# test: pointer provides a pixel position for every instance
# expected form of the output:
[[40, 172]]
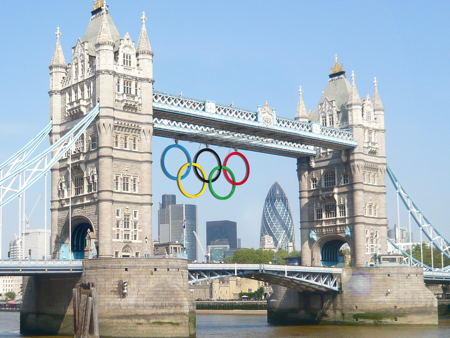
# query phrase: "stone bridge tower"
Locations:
[[343, 193], [101, 191]]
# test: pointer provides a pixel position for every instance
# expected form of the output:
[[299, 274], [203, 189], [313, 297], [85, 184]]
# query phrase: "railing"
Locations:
[[207, 107], [293, 124]]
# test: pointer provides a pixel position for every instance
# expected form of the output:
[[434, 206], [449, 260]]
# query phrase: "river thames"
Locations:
[[255, 325]]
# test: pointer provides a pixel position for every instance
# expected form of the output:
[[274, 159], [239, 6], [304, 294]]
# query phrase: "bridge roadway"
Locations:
[[302, 278]]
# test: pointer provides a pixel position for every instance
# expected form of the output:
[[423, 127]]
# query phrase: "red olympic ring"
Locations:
[[247, 168]]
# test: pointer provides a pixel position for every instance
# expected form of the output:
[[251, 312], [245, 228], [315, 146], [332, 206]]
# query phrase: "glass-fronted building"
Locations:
[[277, 218], [222, 230], [171, 218]]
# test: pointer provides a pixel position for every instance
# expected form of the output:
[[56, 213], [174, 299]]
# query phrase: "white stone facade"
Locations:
[[11, 283], [110, 188], [343, 193]]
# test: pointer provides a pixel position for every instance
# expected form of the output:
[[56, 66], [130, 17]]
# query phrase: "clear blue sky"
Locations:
[[246, 52]]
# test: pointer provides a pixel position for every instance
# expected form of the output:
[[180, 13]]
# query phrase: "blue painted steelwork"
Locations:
[[29, 148], [206, 113], [415, 262], [437, 240], [302, 278], [57, 150]]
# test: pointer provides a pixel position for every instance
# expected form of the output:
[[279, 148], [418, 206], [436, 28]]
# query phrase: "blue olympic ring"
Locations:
[[188, 158]]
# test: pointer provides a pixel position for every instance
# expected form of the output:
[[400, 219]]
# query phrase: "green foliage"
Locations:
[[257, 295], [258, 256], [427, 255], [11, 295]]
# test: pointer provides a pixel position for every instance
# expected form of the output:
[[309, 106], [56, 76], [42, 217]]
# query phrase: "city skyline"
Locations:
[[397, 67]]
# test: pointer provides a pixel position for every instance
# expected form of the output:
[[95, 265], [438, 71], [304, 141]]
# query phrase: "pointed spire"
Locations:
[[104, 34], [58, 55], [301, 114], [144, 46], [337, 69], [377, 103], [354, 97]]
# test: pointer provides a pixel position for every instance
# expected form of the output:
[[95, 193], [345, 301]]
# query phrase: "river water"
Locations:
[[246, 325]]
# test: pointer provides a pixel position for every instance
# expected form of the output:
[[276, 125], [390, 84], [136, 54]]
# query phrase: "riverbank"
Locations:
[[231, 305], [232, 312]]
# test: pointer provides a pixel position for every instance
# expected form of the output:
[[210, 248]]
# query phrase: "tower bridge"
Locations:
[[104, 113]]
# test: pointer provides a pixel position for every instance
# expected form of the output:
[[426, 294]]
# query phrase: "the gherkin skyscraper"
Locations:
[[277, 218]]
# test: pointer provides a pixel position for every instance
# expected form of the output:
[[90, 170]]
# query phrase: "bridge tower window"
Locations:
[[330, 210], [329, 179], [126, 183], [117, 183], [127, 60], [127, 87], [126, 221], [342, 210], [330, 121], [118, 86], [345, 179], [79, 185], [134, 184], [313, 183], [319, 213]]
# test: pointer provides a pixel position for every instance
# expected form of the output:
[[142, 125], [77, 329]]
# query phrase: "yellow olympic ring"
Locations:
[[180, 186]]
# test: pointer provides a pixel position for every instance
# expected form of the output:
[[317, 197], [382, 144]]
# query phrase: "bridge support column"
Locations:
[[154, 302], [377, 295]]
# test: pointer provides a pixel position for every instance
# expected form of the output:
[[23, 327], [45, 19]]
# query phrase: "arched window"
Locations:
[[313, 183]]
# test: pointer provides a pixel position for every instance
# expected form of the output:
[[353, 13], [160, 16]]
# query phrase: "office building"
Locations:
[[277, 218], [177, 223], [34, 244], [222, 230]]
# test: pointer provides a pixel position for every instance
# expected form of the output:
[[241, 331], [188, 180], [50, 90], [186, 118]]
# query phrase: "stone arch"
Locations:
[[127, 251], [80, 227], [327, 251]]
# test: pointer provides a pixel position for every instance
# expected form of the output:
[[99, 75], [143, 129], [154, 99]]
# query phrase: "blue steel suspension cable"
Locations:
[[82, 123], [81, 127]]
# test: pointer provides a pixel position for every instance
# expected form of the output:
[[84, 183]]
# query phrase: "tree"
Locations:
[[258, 256], [11, 295], [426, 252]]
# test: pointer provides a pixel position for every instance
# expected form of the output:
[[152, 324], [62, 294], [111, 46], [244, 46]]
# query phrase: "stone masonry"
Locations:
[[157, 304]]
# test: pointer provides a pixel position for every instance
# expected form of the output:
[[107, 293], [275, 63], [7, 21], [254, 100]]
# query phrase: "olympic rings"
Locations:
[[233, 187], [206, 180], [219, 164], [247, 169], [163, 157], [180, 186]]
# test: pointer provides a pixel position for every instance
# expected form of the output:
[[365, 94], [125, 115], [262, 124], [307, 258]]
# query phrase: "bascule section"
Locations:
[[101, 195], [343, 192]]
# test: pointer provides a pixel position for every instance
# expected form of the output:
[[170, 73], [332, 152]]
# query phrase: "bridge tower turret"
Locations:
[[342, 193], [103, 186]]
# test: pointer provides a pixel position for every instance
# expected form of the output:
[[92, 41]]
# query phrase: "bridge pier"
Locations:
[[136, 297], [373, 295]]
